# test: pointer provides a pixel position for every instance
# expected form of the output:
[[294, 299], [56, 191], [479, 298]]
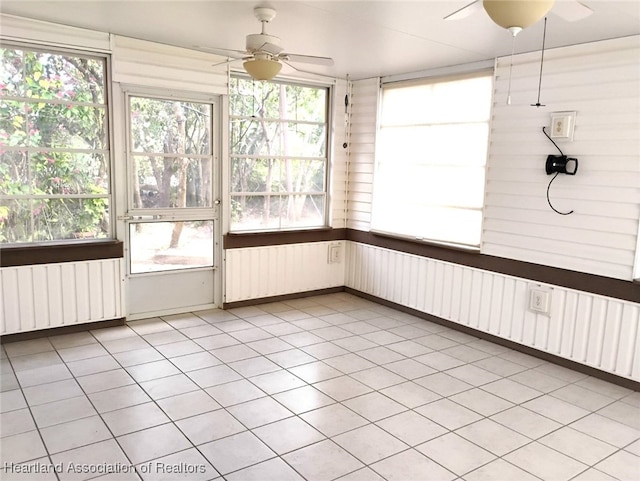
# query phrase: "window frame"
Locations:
[[327, 159], [426, 78], [105, 57]]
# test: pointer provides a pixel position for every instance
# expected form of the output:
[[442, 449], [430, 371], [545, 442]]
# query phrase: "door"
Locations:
[[171, 224]]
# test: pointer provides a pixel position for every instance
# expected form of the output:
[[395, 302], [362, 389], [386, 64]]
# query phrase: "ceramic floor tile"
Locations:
[[236, 452], [435, 342], [511, 391], [324, 350], [212, 376], [500, 366], [334, 419], [342, 388], [103, 453], [380, 355], [315, 372], [603, 387], [152, 370], [448, 414], [556, 409], [112, 333], [623, 413], [192, 362], [556, 466], [235, 392], [105, 380], [374, 406], [269, 346], [188, 464], [45, 471], [254, 366], [302, 339], [443, 384], [138, 356], [500, 470], [577, 445], [310, 323], [12, 400], [188, 404], [234, 325], [482, 402], [51, 392], [118, 398], [364, 474], [493, 437], [291, 358], [311, 463], [234, 353], [288, 435], [355, 343], [72, 340], [349, 363], [168, 386], [62, 411], [251, 334], [259, 412], [473, 375], [593, 474], [529, 423], [79, 353], [303, 399], [181, 348], [16, 422], [409, 348], [272, 470], [71, 435], [93, 365], [412, 428], [210, 426], [409, 369], [281, 329], [582, 397], [153, 442], [150, 326], [410, 465], [45, 375], [378, 377], [370, 443], [203, 330], [278, 381], [410, 394], [456, 453], [622, 465], [134, 418], [21, 447], [24, 348], [216, 342], [539, 381], [607, 430]]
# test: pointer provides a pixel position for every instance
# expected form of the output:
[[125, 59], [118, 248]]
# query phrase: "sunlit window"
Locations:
[[278, 155], [430, 159], [54, 147]]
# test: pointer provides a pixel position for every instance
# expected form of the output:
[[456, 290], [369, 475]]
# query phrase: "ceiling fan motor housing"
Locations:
[[260, 42]]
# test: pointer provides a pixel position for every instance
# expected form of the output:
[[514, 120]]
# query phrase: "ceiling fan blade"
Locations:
[[307, 71], [225, 52], [571, 11], [465, 11], [231, 60], [311, 59]]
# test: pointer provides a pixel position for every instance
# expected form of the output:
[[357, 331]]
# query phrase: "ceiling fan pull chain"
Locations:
[[513, 47], [544, 36]]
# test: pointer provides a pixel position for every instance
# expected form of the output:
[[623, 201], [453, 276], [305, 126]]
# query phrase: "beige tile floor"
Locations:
[[321, 388]]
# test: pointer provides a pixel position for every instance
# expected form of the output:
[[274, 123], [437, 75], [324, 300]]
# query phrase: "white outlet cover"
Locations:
[[540, 300], [563, 125]]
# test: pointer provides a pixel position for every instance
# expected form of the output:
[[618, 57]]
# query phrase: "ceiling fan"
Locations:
[[263, 56], [515, 15]]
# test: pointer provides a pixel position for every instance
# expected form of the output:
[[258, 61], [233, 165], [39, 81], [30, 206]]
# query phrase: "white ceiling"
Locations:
[[365, 38]]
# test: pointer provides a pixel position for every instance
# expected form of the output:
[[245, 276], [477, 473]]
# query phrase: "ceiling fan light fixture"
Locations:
[[262, 69], [517, 13]]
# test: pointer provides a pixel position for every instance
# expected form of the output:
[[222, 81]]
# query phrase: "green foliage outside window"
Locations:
[[54, 159]]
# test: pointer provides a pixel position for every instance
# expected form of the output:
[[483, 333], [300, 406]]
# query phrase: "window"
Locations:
[[430, 159], [278, 152], [54, 146]]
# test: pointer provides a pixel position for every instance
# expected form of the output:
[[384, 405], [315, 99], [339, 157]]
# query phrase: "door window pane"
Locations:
[[164, 246]]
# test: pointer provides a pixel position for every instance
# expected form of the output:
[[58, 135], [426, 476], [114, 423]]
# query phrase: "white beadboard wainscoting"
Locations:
[[586, 328], [54, 295], [259, 272]]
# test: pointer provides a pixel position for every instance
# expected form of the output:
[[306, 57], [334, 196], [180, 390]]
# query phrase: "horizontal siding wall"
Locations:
[[586, 328], [54, 295], [338, 157], [363, 123], [600, 82], [257, 272]]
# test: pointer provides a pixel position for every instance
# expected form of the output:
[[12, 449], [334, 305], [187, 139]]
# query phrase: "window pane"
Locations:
[[176, 182], [14, 174], [57, 219], [13, 123], [288, 122], [67, 126], [164, 246], [64, 173], [167, 126], [430, 160], [11, 72], [16, 220]]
